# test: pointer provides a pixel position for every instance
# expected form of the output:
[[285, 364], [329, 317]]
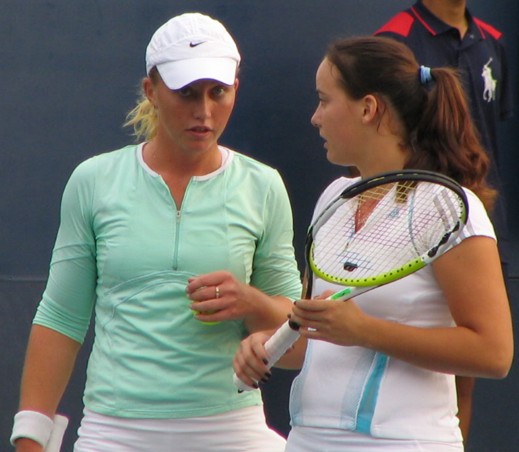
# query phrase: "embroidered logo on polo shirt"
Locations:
[[489, 91]]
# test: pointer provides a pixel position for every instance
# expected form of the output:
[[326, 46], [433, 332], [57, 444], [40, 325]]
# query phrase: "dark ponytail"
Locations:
[[431, 104], [446, 140]]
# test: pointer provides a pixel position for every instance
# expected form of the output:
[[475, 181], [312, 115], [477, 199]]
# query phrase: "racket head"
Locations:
[[386, 227]]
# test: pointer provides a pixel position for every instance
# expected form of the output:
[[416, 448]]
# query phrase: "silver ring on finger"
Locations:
[[216, 292]]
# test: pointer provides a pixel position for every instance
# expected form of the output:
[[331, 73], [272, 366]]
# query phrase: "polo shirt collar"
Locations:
[[436, 26]]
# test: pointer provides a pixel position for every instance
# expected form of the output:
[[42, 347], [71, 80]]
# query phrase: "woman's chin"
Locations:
[[336, 160]]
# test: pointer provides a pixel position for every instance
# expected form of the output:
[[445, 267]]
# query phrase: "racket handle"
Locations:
[[275, 347], [281, 341]]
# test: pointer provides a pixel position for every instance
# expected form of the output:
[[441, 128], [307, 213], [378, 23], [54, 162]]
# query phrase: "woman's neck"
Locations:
[[175, 161]]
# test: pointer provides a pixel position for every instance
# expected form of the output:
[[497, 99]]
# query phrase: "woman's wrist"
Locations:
[[34, 431], [32, 425], [28, 445]]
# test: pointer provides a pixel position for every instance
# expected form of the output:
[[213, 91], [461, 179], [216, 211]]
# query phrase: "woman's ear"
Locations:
[[148, 89], [371, 107]]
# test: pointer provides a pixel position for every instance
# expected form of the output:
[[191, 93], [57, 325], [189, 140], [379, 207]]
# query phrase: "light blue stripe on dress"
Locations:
[[370, 395]]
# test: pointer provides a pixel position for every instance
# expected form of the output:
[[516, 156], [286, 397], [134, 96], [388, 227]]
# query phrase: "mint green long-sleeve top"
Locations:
[[125, 252]]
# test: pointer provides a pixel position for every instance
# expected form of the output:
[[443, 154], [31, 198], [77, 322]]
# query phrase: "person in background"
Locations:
[[445, 33], [180, 247], [379, 369]]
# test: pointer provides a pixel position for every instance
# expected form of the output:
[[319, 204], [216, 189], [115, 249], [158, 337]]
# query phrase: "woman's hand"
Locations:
[[219, 296], [251, 362], [338, 322]]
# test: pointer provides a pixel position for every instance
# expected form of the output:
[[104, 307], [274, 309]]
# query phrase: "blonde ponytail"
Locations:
[[143, 118]]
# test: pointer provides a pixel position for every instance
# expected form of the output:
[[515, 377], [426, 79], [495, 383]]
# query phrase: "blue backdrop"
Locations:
[[71, 70]]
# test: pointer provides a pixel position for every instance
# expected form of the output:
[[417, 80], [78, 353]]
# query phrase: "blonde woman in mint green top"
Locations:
[[179, 248]]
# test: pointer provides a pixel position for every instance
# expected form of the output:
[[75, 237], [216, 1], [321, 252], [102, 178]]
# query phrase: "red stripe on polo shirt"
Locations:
[[400, 24], [484, 27], [422, 21]]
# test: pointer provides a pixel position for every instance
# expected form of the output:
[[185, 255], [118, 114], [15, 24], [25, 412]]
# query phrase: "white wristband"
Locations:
[[58, 431], [32, 425]]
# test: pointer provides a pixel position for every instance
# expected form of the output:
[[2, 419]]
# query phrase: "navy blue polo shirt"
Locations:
[[480, 57]]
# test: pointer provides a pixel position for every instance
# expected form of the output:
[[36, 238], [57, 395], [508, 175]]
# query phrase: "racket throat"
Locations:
[[367, 203]]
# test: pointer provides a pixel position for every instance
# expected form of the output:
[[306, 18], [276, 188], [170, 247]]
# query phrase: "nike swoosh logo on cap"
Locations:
[[194, 44]]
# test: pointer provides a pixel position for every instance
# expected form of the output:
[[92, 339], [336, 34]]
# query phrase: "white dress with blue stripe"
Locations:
[[354, 397]]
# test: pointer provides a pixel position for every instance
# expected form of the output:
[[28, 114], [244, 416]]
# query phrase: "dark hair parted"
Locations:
[[439, 131]]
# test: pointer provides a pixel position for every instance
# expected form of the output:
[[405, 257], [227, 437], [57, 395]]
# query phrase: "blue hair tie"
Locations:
[[425, 75]]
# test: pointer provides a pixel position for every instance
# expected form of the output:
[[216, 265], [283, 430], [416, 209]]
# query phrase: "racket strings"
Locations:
[[379, 233]]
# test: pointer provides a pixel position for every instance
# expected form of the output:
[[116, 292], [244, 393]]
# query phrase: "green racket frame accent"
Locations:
[[384, 278]]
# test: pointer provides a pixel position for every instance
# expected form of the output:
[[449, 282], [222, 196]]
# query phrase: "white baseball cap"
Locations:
[[191, 47]]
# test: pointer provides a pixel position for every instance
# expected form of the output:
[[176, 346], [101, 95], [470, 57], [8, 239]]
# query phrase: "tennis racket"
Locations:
[[377, 231]]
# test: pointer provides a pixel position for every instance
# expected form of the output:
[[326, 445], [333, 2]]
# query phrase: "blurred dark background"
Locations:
[[70, 71]]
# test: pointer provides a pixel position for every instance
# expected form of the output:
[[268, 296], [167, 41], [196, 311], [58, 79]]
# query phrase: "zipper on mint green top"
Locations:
[[177, 239], [178, 218]]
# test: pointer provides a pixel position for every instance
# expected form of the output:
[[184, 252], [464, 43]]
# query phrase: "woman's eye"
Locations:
[[184, 92], [218, 90]]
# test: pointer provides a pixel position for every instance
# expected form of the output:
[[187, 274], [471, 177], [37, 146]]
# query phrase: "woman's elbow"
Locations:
[[501, 363]]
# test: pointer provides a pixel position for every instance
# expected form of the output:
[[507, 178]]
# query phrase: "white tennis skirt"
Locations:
[[243, 430], [309, 439]]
